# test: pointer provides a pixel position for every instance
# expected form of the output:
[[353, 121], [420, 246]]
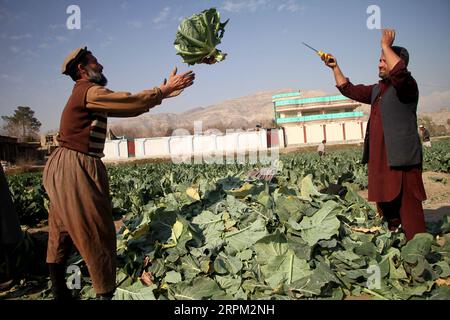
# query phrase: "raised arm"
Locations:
[[330, 61], [387, 39], [360, 93], [400, 77]]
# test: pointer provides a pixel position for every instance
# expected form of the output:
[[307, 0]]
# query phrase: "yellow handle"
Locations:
[[325, 56]]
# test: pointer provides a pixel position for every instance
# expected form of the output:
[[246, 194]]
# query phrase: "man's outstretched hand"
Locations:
[[176, 83], [387, 38]]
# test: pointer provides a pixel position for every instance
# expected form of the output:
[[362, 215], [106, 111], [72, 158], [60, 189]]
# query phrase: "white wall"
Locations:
[[334, 132], [228, 143], [294, 135], [181, 145], [204, 144], [155, 147], [281, 140], [115, 149], [314, 133], [353, 131], [249, 141], [232, 142], [188, 145]]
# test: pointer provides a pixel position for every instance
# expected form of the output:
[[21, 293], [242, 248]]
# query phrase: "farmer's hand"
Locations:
[[176, 83], [330, 60], [387, 38]]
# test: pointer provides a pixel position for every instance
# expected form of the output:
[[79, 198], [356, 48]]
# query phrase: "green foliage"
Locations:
[[208, 231], [232, 243], [437, 158], [29, 197], [198, 36]]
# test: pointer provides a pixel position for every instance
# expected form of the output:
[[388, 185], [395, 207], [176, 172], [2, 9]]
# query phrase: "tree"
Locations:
[[22, 124]]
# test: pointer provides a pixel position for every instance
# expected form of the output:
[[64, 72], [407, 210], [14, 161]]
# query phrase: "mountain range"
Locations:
[[238, 113]]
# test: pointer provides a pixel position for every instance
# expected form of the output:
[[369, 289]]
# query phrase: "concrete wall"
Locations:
[[334, 132], [294, 134], [116, 149], [353, 131], [154, 147], [233, 142], [314, 133], [189, 145]]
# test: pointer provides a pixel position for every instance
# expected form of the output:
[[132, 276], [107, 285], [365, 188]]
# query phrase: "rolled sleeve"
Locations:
[[122, 104], [360, 93]]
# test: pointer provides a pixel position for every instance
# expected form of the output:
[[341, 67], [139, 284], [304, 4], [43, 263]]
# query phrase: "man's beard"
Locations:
[[96, 77], [383, 76]]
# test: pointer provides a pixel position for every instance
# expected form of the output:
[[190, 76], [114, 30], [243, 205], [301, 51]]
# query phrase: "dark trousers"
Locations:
[[406, 210]]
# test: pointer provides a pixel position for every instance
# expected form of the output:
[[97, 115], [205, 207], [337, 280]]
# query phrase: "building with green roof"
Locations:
[[309, 120]]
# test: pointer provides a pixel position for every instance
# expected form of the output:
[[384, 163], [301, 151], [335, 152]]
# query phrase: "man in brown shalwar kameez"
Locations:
[[392, 145], [75, 178]]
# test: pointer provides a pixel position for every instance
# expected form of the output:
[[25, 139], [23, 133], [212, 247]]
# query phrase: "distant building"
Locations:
[[49, 142], [11, 150], [313, 119]]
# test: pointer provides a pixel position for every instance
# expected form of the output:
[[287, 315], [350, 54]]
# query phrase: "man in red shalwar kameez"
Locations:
[[392, 146]]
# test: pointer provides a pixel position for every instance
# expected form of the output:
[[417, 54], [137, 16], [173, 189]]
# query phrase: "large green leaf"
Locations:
[[245, 237], [417, 248], [279, 264], [229, 283], [322, 225], [289, 208], [172, 277], [213, 226], [312, 284], [391, 265], [198, 289], [227, 264], [307, 188], [137, 291], [414, 256]]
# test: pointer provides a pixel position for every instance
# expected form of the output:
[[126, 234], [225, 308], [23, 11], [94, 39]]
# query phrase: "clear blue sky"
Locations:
[[133, 39]]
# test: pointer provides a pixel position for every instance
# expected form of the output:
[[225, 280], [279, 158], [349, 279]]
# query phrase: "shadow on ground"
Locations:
[[434, 215]]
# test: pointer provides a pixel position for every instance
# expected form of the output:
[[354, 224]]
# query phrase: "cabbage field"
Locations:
[[212, 231]]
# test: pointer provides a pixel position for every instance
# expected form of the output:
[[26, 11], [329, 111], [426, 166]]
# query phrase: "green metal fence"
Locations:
[[311, 100], [328, 116]]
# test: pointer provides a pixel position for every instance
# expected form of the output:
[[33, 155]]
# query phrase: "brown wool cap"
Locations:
[[72, 58]]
